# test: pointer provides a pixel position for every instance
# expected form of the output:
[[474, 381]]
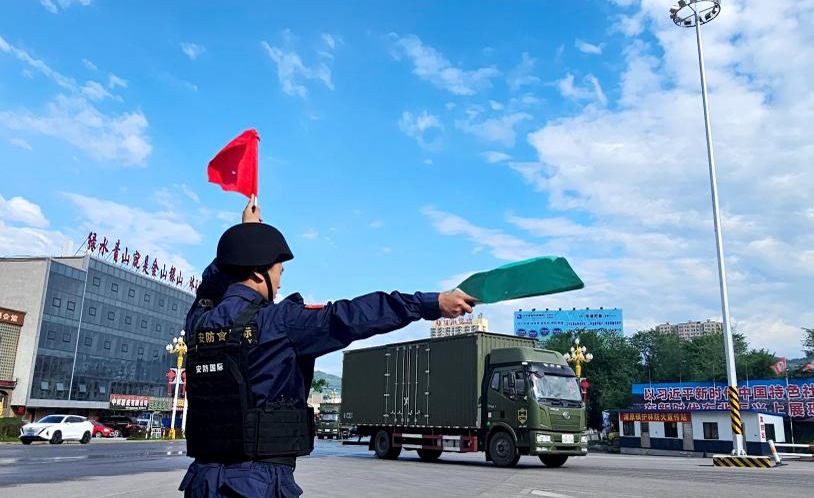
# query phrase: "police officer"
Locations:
[[251, 362]]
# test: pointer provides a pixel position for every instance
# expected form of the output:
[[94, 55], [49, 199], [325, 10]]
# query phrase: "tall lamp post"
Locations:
[[178, 347], [578, 356], [692, 14]]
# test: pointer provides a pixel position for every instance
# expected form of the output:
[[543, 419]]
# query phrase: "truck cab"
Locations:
[[328, 421], [533, 397]]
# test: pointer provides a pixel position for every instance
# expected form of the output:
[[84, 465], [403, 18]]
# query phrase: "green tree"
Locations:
[[317, 385], [808, 341]]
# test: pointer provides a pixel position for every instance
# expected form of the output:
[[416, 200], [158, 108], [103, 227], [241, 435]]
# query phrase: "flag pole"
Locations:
[[788, 402]]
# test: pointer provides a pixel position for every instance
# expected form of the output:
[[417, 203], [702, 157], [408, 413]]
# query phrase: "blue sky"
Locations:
[[403, 147]]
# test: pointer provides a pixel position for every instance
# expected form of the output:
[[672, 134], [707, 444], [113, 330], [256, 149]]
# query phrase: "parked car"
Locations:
[[57, 428], [101, 430], [122, 425]]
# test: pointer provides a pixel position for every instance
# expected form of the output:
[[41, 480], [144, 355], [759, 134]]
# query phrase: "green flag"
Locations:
[[532, 277]]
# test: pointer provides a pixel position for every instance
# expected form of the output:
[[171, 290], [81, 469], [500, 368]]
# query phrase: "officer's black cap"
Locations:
[[252, 245]]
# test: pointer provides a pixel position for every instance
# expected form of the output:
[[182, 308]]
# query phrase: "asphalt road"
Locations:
[[130, 469]]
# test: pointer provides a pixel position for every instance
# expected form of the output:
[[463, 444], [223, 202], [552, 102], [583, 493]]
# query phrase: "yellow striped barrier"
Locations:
[[754, 462]]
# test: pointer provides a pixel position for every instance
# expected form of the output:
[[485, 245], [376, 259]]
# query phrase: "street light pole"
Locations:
[[694, 13], [178, 347]]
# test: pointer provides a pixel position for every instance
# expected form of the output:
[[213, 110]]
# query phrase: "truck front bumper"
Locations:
[[544, 442]]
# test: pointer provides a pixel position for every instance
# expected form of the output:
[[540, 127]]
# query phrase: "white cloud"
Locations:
[[430, 65], [116, 138], [19, 142], [588, 48], [376, 224], [523, 74], [190, 193], [113, 81], [634, 185], [428, 162], [95, 91], [178, 83], [39, 65], [22, 211], [493, 156], [499, 130], [331, 41], [192, 50], [593, 92], [291, 70], [158, 233], [89, 64], [53, 6], [310, 234], [425, 128]]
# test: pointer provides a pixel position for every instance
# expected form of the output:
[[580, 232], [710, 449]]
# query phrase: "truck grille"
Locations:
[[571, 424]]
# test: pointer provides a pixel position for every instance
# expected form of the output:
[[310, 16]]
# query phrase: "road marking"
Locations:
[[537, 492]]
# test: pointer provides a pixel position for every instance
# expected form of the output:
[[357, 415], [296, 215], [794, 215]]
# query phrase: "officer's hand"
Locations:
[[456, 303], [251, 213]]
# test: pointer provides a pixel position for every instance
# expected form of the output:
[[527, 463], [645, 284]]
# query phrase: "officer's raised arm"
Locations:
[[318, 331]]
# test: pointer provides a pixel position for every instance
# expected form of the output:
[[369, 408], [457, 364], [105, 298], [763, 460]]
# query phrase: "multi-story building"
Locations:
[[93, 330], [457, 326], [690, 330], [542, 323]]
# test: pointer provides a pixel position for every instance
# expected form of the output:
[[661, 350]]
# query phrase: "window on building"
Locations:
[[144, 324], [125, 347], [155, 354], [70, 306], [114, 287], [495, 384], [131, 293], [92, 311], [60, 386], [628, 429], [111, 315], [52, 334], [88, 341], [161, 302], [158, 327], [645, 427], [770, 432], [56, 302], [83, 388], [44, 385], [107, 345], [670, 429], [174, 306], [710, 430], [128, 319], [66, 337], [102, 389], [146, 298], [140, 352], [97, 281]]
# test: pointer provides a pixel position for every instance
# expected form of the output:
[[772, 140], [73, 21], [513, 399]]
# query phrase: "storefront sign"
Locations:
[[656, 416], [128, 402], [11, 317]]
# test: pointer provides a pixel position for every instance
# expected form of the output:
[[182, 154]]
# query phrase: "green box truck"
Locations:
[[474, 392], [328, 421]]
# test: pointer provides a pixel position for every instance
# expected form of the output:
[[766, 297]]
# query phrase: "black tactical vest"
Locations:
[[223, 423]]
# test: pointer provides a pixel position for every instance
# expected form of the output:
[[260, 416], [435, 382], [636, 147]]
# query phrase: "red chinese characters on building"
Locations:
[[116, 250], [172, 274], [776, 391], [154, 268], [103, 250], [145, 268], [126, 257], [797, 409], [760, 392], [136, 259], [91, 242], [810, 408], [793, 391], [163, 274]]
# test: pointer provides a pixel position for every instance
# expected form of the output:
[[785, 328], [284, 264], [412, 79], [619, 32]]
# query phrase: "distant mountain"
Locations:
[[334, 382]]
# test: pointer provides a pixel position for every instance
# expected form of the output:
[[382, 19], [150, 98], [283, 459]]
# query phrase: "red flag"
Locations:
[[780, 366], [235, 166], [808, 366]]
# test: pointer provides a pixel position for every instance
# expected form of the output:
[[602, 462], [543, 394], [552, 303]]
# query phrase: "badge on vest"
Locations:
[[221, 336], [209, 368]]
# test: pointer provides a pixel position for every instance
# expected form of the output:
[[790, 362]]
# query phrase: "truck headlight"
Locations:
[[583, 440], [543, 438]]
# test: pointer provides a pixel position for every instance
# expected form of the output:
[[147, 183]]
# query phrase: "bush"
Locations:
[[10, 426]]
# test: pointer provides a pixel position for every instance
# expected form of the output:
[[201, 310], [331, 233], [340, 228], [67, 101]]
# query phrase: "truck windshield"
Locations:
[[328, 417], [555, 387]]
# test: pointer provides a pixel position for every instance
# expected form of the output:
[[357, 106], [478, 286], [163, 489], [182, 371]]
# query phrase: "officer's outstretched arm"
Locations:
[[319, 331]]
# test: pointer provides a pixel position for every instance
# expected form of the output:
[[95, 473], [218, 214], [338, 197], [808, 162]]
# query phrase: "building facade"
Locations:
[[690, 330], [457, 326], [93, 330], [11, 323], [539, 324]]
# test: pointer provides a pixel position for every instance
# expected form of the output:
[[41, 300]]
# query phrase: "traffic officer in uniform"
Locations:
[[251, 362]]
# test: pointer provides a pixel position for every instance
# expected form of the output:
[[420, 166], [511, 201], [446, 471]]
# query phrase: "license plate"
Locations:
[[568, 438]]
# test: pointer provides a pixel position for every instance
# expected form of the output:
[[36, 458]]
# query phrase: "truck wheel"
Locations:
[[383, 446], [503, 450], [429, 455], [553, 460]]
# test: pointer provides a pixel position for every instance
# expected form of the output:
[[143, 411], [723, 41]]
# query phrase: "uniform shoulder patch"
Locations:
[[314, 306]]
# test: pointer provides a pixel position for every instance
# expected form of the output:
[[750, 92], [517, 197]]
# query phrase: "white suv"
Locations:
[[58, 428]]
